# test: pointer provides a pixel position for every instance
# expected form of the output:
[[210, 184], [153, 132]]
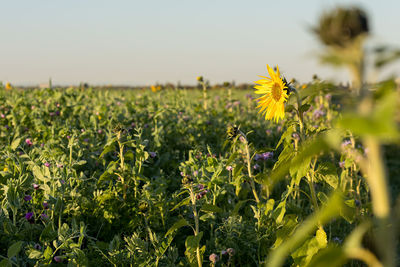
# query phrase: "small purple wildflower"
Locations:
[[236, 103], [27, 198], [28, 142], [35, 186], [346, 143], [242, 139], [328, 97], [58, 113], [68, 137], [229, 168], [223, 252], [86, 140], [256, 166], [82, 130], [214, 258], [47, 164], [60, 166], [52, 114], [99, 131], [57, 259], [341, 164], [182, 174], [45, 205], [42, 145], [44, 216], [318, 113], [2, 116], [153, 154], [29, 217], [296, 136], [62, 181]]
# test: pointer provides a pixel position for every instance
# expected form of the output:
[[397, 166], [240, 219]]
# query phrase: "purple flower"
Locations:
[[153, 154], [267, 155], [28, 142], [328, 97], [341, 164], [27, 198], [256, 166], [200, 186], [42, 145], [60, 166], [58, 113], [242, 139], [318, 113], [52, 114], [99, 131], [236, 103], [57, 259], [82, 130], [346, 143], [44, 216], [47, 164], [45, 205], [229, 168], [296, 136], [68, 137], [2, 116], [223, 252], [214, 258], [62, 181], [35, 186], [182, 174], [86, 140], [29, 217]]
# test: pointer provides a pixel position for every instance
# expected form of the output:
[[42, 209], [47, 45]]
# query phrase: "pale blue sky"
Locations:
[[144, 42]]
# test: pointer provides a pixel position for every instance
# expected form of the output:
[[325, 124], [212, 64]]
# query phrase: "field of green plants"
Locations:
[[98, 177], [288, 174]]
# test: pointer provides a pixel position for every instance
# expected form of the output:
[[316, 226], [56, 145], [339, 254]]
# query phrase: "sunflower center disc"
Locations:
[[276, 91]]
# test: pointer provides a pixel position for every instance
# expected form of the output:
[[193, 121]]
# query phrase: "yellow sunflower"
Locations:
[[274, 95]]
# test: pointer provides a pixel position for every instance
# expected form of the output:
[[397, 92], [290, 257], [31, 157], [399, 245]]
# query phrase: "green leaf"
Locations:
[[15, 143], [289, 225], [37, 172], [184, 202], [331, 256], [327, 172], [279, 212], [328, 212], [34, 254], [210, 208], [193, 242], [182, 222], [14, 249], [5, 263], [48, 253]]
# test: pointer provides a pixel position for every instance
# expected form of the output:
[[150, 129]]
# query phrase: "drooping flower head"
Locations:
[[272, 88]]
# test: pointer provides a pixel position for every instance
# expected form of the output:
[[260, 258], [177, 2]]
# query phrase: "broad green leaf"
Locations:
[[210, 208], [330, 211], [34, 254], [14, 249], [331, 256], [182, 222], [15, 143], [48, 253], [184, 202], [326, 171]]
